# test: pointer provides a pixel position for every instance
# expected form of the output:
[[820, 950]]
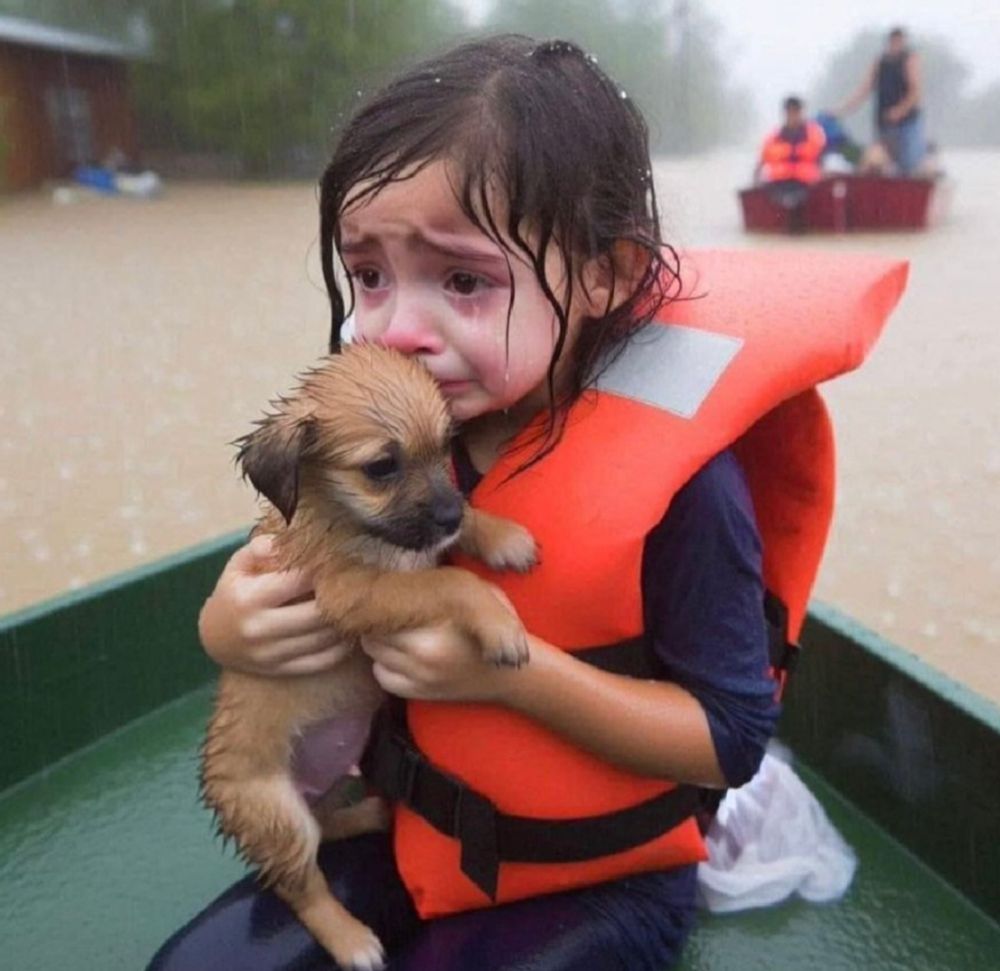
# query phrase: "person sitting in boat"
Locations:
[[789, 160], [791, 153], [895, 80]]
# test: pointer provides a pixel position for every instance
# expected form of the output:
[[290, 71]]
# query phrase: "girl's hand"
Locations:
[[437, 664], [261, 621]]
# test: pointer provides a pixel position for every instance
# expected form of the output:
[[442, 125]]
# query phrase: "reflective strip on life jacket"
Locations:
[[670, 367]]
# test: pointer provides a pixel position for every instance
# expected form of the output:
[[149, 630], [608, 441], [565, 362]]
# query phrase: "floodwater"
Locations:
[[140, 338]]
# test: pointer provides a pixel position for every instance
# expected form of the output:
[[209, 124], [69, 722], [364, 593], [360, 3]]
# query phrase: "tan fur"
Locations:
[[356, 535]]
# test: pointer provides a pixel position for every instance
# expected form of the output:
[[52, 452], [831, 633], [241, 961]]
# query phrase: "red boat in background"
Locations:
[[844, 203]]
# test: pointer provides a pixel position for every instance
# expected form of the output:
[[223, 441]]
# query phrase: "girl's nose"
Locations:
[[411, 332]]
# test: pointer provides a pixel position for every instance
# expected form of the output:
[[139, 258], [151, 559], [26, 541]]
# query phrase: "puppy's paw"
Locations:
[[359, 949], [512, 548], [504, 643]]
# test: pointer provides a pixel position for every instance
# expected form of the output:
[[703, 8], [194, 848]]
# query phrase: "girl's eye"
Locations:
[[465, 284], [369, 278]]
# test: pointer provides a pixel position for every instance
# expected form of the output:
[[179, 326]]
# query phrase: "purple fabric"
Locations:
[[703, 600], [639, 923]]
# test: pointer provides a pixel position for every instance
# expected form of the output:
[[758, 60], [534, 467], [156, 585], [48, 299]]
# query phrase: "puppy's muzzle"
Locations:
[[446, 513], [432, 524]]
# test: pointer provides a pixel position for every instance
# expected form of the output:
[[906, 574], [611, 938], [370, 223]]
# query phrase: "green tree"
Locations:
[[664, 53], [261, 81], [264, 80]]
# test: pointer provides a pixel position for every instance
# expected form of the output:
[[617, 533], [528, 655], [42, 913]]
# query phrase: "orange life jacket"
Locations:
[[794, 160], [736, 368]]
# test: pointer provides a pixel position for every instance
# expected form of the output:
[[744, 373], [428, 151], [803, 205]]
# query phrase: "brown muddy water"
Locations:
[[137, 339]]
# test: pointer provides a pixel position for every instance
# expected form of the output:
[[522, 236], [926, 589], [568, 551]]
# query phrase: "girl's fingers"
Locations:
[[256, 556], [260, 553], [323, 642], [385, 652], [291, 620], [312, 663], [391, 681], [277, 588]]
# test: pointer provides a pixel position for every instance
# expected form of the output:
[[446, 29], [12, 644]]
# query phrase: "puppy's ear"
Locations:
[[272, 455]]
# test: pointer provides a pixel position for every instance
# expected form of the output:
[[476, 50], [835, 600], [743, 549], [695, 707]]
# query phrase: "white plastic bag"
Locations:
[[771, 839]]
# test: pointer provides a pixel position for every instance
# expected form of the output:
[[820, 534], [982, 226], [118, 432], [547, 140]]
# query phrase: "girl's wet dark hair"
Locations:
[[544, 150]]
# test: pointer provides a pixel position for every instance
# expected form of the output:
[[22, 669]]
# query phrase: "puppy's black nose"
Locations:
[[446, 511]]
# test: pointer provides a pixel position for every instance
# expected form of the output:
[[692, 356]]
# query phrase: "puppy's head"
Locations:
[[362, 444]]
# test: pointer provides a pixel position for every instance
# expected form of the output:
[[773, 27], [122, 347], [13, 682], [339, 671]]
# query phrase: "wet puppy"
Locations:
[[356, 467]]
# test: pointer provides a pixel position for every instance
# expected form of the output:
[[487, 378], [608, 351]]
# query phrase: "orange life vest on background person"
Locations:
[[798, 160], [737, 367]]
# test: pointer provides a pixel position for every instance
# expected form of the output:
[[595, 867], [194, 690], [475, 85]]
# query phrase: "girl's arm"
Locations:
[[651, 728]]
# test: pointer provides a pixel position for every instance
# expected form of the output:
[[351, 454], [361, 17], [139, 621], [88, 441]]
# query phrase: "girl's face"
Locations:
[[427, 282]]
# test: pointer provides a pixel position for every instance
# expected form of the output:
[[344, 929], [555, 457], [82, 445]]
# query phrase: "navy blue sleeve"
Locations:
[[703, 603]]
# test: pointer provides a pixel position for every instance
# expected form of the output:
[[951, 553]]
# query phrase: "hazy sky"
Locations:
[[778, 46]]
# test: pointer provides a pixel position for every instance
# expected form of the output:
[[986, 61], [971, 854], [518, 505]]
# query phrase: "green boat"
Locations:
[[105, 849]]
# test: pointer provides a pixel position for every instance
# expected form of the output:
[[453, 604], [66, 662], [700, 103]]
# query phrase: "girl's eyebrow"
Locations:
[[445, 245], [357, 244]]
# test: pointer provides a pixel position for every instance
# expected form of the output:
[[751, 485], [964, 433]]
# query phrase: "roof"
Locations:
[[29, 33]]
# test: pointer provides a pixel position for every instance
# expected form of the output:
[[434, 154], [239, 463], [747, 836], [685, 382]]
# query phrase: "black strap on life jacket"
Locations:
[[394, 765], [488, 837]]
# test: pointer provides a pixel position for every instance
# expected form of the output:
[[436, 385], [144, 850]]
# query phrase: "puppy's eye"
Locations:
[[381, 469]]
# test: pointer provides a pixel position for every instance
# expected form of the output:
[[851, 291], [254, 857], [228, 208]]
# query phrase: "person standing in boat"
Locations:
[[895, 80]]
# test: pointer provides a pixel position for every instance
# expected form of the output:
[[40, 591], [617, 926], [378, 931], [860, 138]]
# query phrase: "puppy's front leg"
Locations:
[[363, 601], [499, 543]]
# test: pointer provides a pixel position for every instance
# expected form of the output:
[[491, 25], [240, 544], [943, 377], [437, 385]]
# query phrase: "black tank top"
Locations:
[[891, 87]]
